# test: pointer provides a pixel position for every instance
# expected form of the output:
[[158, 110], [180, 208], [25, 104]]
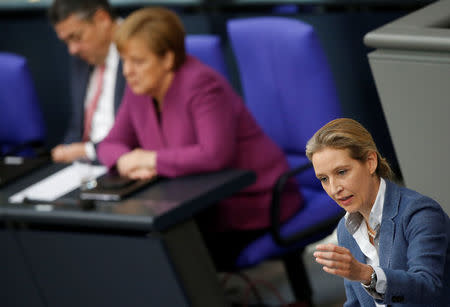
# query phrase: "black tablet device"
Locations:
[[113, 187]]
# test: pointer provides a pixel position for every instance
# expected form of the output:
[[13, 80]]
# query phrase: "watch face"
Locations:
[[373, 280]]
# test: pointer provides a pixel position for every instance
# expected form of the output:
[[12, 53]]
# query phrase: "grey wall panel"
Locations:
[[414, 90], [411, 67]]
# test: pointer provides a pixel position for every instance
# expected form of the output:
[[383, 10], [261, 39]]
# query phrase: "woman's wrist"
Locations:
[[367, 275], [150, 159]]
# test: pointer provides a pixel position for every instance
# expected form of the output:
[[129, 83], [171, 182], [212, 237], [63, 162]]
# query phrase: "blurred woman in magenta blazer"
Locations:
[[180, 117]]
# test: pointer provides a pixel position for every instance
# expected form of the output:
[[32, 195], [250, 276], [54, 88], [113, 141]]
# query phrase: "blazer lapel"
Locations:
[[119, 89], [358, 254], [353, 246], [387, 230], [81, 85]]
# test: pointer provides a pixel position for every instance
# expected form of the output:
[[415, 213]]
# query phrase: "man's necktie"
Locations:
[[92, 106]]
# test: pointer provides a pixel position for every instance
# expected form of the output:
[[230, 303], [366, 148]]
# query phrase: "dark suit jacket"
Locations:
[[79, 78], [413, 249]]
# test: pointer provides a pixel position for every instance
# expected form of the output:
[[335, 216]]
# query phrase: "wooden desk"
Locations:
[[144, 251]]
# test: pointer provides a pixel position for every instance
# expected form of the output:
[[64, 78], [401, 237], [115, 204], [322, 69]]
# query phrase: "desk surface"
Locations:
[[158, 207]]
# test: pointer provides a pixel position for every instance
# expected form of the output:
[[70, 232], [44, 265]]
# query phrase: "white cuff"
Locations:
[[380, 286], [90, 151], [381, 280]]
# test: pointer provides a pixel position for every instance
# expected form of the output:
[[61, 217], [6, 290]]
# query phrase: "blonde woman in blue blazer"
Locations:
[[393, 242]]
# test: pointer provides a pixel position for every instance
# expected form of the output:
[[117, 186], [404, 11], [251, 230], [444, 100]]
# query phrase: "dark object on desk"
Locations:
[[114, 181], [114, 187], [50, 205], [12, 168], [87, 204]]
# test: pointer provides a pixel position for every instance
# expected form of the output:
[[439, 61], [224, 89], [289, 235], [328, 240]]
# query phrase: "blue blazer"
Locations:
[[413, 249], [79, 78]]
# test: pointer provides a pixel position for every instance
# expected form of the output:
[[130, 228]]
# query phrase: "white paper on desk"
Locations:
[[58, 184]]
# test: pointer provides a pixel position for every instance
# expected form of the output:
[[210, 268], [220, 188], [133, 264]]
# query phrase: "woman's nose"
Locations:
[[126, 69], [336, 187]]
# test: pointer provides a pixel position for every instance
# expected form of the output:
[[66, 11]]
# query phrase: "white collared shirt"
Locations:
[[103, 118], [354, 223]]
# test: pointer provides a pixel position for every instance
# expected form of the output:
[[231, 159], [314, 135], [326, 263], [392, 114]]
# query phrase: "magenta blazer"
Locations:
[[204, 127]]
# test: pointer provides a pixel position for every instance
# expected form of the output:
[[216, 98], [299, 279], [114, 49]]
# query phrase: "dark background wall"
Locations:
[[340, 27]]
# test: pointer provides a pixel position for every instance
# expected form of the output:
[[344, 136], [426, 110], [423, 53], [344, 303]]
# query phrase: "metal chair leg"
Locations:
[[298, 277]]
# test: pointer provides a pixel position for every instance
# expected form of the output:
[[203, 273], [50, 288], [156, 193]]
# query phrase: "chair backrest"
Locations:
[[21, 119], [207, 48], [286, 81], [289, 88]]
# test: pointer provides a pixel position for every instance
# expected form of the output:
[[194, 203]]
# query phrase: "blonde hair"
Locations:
[[346, 133], [160, 28]]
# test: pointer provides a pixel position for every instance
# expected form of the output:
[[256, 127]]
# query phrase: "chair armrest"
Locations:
[[275, 227]]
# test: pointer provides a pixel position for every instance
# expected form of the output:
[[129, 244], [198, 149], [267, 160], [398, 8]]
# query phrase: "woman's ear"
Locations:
[[372, 162], [169, 60]]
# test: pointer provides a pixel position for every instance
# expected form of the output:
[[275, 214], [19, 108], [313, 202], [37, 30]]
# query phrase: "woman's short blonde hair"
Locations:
[[346, 133], [160, 28]]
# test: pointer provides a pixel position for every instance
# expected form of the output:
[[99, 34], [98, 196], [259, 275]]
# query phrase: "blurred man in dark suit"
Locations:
[[87, 28]]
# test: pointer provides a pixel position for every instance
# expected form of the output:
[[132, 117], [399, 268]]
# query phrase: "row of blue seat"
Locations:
[[22, 124], [287, 86]]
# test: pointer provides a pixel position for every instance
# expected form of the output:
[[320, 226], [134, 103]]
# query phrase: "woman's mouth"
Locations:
[[345, 201]]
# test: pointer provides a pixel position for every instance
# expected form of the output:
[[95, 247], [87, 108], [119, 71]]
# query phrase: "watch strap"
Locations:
[[373, 282]]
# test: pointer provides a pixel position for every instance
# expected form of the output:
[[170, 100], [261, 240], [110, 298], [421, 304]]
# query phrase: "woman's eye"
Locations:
[[323, 179], [342, 172]]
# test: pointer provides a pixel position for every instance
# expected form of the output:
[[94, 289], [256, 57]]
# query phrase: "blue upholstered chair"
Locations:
[[207, 48], [21, 121], [289, 88]]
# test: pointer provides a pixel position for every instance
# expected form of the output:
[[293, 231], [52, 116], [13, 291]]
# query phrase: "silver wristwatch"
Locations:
[[373, 282]]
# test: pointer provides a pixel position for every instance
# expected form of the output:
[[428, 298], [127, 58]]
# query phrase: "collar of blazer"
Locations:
[[387, 229]]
